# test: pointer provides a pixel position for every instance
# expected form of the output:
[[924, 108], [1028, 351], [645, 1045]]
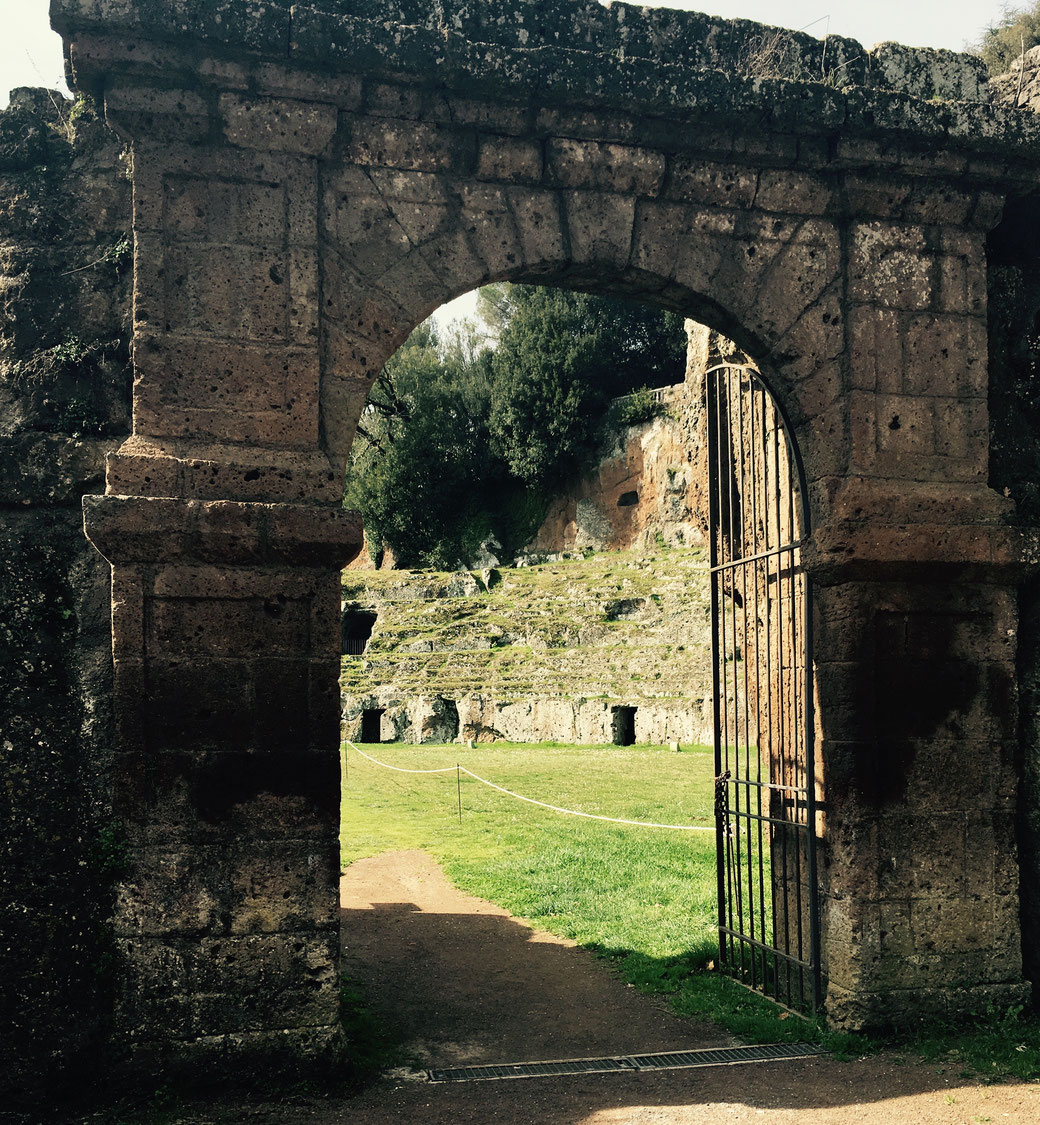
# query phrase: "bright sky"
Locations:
[[30, 53]]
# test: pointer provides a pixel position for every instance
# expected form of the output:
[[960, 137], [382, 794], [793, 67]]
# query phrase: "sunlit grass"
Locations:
[[611, 887], [643, 898]]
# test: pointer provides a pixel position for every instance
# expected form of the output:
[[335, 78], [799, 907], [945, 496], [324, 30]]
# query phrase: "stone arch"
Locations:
[[771, 285], [841, 241]]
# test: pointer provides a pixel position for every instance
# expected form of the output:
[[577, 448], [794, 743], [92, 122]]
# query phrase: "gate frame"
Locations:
[[806, 728]]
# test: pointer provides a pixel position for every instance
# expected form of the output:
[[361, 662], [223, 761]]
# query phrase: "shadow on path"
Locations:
[[462, 982]]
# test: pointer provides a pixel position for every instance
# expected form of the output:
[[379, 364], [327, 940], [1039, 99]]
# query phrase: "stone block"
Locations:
[[845, 707], [703, 250], [509, 160], [227, 291], [224, 74], [367, 235], [127, 613], [198, 703], [227, 392], [818, 393], [488, 222], [208, 472], [793, 290], [303, 298], [204, 626], [599, 228], [951, 925], [234, 888], [203, 210], [944, 355], [222, 984], [905, 424], [143, 111], [454, 259], [693, 180], [962, 273], [418, 146], [598, 166], [424, 205], [890, 265], [374, 319], [921, 857], [896, 934], [199, 796], [539, 221], [480, 113], [390, 99], [962, 432], [278, 124], [792, 192], [656, 245], [312, 86]]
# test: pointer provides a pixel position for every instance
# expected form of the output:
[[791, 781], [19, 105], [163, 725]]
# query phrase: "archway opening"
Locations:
[[504, 705], [623, 725]]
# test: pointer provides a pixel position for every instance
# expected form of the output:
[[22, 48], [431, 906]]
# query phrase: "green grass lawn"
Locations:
[[644, 898], [613, 888]]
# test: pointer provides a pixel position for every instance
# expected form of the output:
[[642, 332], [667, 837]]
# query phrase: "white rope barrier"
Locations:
[[532, 801], [398, 769]]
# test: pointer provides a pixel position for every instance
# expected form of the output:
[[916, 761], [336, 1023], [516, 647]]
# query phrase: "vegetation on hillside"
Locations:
[[1015, 32], [465, 438]]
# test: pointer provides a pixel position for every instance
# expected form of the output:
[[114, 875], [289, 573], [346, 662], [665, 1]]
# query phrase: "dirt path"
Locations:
[[464, 982]]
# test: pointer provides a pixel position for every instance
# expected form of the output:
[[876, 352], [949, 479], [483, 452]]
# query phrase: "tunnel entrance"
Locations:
[[356, 631], [372, 724], [623, 725]]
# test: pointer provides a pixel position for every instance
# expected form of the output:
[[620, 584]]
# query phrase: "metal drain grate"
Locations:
[[665, 1060]]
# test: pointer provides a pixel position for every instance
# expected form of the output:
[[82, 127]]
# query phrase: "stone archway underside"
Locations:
[[308, 185]]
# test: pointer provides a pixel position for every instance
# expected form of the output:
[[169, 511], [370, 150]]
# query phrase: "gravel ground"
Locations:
[[463, 983]]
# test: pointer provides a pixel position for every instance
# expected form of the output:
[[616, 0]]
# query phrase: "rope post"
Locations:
[[458, 785]]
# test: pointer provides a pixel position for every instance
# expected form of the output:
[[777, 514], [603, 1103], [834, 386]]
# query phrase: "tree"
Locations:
[[466, 437], [421, 464], [1005, 41], [561, 357]]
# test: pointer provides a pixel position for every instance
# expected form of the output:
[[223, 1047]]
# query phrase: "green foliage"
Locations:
[[420, 472], [993, 1043], [463, 440], [638, 407], [1016, 31]]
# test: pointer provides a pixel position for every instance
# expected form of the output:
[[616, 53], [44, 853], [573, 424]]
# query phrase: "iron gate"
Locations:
[[765, 800]]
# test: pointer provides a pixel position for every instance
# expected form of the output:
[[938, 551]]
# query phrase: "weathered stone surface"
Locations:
[[64, 402], [547, 653], [309, 183]]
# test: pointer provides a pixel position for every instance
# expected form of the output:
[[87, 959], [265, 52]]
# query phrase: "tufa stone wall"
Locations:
[[541, 653], [309, 183], [1013, 258], [650, 484], [65, 378]]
